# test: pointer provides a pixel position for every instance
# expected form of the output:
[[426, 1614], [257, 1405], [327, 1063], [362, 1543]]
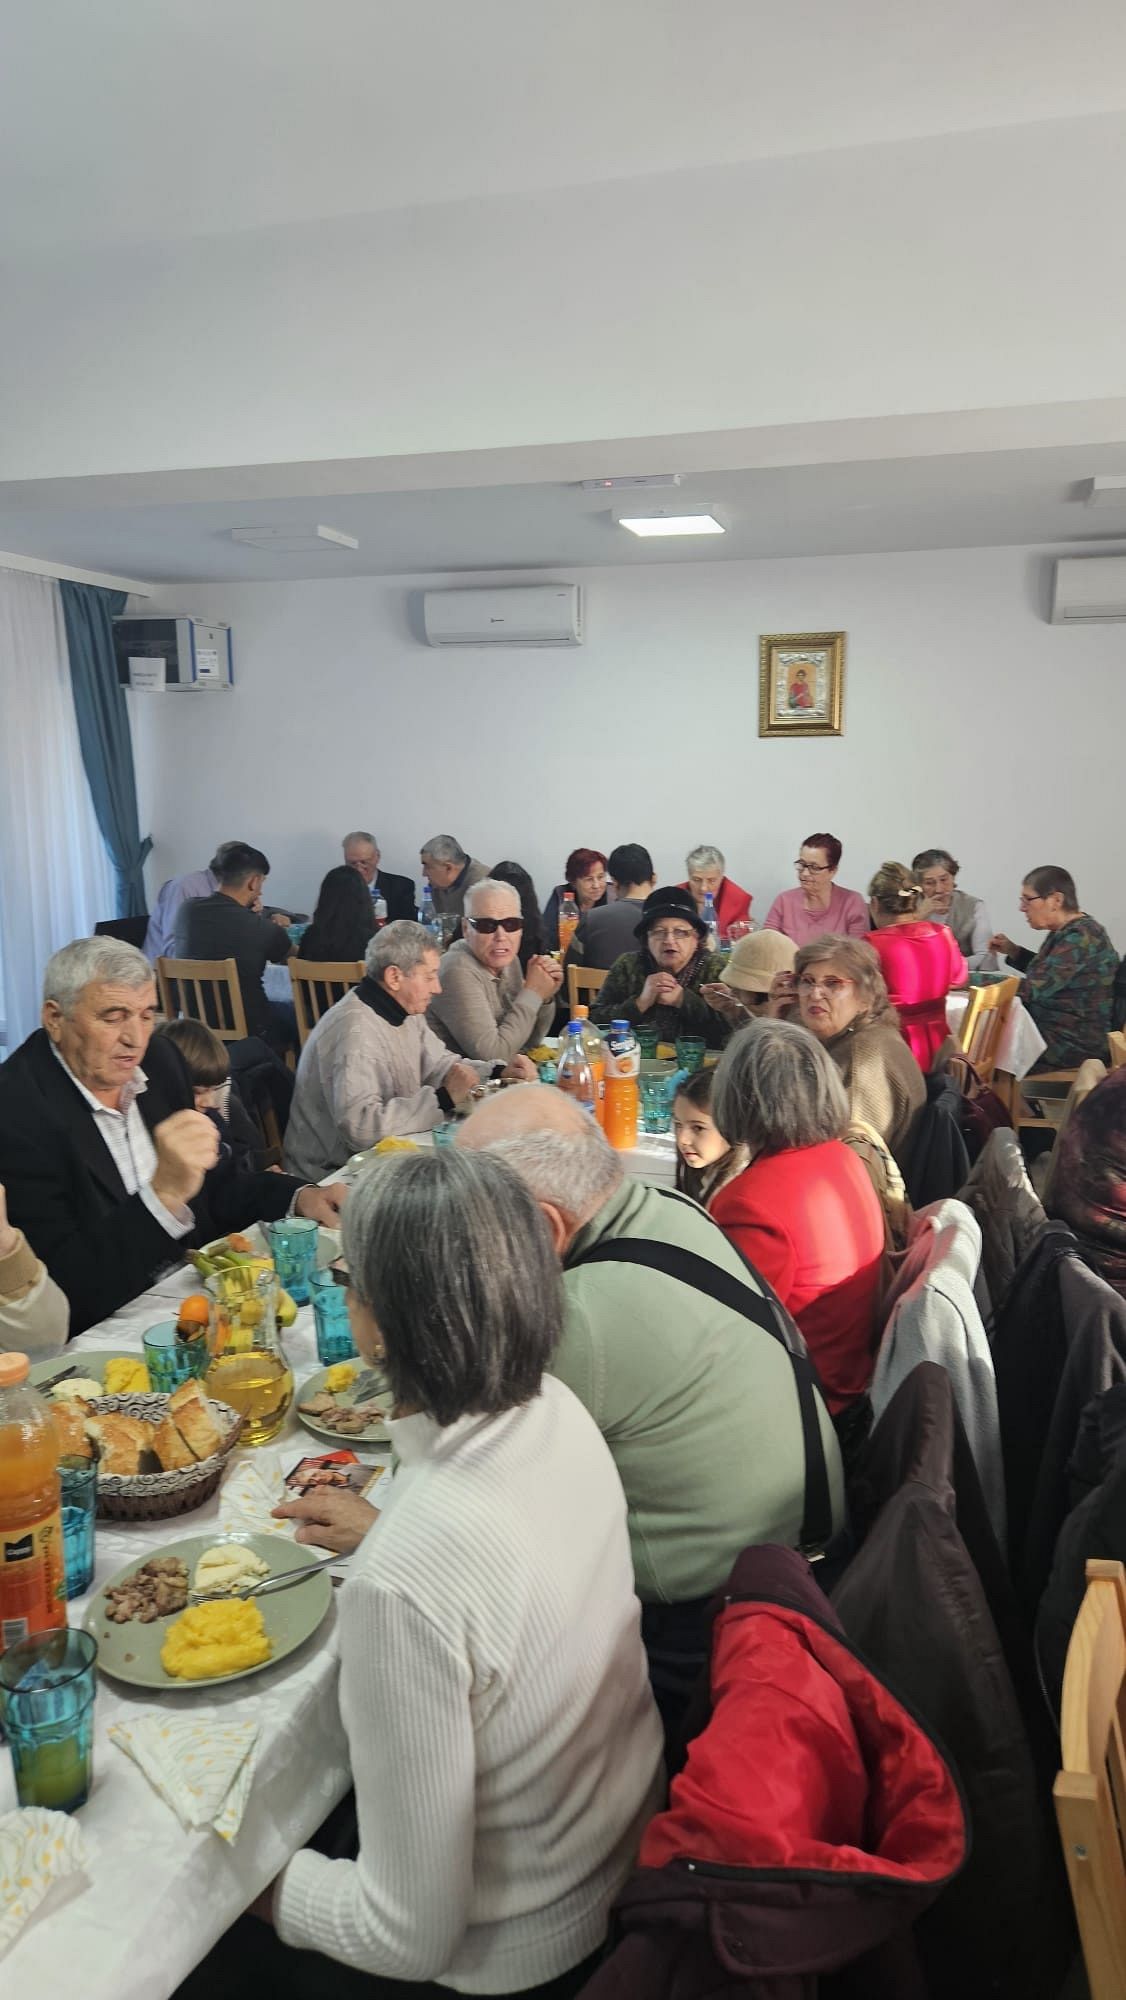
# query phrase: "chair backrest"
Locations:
[[1116, 1042], [983, 1024], [1090, 1790], [203, 989], [131, 930], [584, 984], [317, 986]]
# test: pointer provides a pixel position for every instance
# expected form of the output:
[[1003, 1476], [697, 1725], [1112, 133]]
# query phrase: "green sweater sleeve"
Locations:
[[617, 998]]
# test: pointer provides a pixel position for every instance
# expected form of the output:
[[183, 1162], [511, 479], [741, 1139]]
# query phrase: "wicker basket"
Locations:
[[159, 1496]]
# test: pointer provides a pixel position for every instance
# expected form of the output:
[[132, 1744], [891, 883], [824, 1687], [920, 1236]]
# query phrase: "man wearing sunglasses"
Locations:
[[488, 1009]]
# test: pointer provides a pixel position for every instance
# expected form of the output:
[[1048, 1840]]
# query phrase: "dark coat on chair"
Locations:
[[100, 1244]]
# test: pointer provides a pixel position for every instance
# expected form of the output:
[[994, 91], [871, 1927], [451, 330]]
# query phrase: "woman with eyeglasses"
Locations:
[[490, 1008], [660, 984], [1069, 983], [966, 916], [818, 905], [584, 877], [842, 999]]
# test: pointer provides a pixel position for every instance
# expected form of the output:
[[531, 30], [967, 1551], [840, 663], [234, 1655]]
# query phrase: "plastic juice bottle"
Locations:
[[623, 1067], [32, 1575], [575, 1075], [596, 1056], [568, 921]]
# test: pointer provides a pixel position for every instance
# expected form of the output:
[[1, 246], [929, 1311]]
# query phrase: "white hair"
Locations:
[[403, 943], [575, 1172], [704, 857], [359, 839], [93, 958], [489, 886], [443, 847]]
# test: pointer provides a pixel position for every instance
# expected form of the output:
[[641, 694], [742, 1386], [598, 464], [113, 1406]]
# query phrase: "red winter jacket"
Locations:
[[813, 1821], [732, 904]]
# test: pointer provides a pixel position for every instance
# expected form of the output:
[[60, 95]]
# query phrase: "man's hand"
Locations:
[[279, 917], [9, 1237], [332, 1518], [187, 1147], [322, 1204], [543, 978], [461, 1080], [520, 1070]]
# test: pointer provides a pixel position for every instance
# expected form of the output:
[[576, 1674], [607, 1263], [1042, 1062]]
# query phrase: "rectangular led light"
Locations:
[[671, 524]]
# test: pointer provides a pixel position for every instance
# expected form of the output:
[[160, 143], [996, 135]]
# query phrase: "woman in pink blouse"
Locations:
[[817, 906]]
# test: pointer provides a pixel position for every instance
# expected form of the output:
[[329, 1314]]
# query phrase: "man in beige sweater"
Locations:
[[488, 1008]]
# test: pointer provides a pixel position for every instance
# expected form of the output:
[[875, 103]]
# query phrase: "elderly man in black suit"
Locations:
[[361, 852], [109, 1170]]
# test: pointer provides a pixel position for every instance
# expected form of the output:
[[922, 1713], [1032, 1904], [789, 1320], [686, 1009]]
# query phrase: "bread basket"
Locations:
[[159, 1496]]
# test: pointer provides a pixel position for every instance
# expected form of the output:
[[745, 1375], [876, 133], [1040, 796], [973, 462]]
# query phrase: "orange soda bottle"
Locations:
[[596, 1056], [623, 1067], [568, 921], [32, 1568]]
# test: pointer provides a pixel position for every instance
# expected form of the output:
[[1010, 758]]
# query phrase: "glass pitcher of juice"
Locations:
[[248, 1367]]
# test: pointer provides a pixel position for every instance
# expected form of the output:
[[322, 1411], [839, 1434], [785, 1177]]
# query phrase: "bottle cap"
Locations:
[[13, 1369], [574, 1027], [623, 1025], [580, 1013]]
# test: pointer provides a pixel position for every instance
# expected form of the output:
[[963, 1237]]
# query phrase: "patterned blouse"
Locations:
[[1068, 990]]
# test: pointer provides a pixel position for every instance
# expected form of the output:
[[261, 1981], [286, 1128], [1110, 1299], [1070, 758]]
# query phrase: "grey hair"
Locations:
[[452, 1256], [861, 963], [704, 857], [90, 958], [443, 847], [776, 1087], [576, 1173], [359, 839], [490, 885], [403, 943]]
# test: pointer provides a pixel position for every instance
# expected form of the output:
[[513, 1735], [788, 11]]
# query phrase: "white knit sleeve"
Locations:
[[402, 1907]]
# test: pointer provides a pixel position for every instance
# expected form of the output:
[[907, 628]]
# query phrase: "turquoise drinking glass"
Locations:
[[47, 1686]]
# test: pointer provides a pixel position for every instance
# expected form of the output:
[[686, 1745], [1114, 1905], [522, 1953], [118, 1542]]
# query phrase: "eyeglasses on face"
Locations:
[[1026, 902], [682, 935], [812, 867], [829, 987], [487, 925]]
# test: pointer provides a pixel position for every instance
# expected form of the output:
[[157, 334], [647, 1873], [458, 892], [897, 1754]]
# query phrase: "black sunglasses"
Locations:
[[487, 925]]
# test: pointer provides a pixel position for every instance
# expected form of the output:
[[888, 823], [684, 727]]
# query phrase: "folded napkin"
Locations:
[[36, 1849], [202, 1766], [251, 1490]]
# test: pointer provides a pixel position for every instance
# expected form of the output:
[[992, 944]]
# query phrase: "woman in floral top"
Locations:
[[1069, 983]]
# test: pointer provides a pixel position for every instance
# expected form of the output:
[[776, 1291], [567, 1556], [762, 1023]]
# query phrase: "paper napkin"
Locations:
[[251, 1490], [201, 1766], [36, 1849]]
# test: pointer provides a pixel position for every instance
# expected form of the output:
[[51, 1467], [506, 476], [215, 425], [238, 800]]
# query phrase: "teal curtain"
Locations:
[[103, 732]]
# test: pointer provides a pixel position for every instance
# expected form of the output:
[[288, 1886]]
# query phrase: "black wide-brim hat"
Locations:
[[669, 903]]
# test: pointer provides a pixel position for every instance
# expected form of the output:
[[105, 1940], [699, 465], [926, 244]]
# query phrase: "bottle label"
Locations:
[[32, 1580], [623, 1056]]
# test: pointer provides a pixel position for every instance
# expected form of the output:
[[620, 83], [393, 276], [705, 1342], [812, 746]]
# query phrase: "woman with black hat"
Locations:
[[660, 984]]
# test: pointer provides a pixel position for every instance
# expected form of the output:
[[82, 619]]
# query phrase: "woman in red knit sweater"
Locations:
[[804, 1212], [920, 961]]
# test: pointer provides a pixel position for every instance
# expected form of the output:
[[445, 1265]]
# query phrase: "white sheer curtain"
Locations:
[[56, 880]]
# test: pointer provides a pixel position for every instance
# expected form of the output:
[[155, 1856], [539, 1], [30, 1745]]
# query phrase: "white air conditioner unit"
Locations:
[[540, 614], [1089, 590]]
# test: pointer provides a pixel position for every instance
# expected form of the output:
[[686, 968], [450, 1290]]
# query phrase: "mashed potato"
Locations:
[[215, 1639]]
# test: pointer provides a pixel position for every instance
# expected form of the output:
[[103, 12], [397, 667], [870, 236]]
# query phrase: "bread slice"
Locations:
[[122, 1442], [69, 1420], [189, 1412], [170, 1448]]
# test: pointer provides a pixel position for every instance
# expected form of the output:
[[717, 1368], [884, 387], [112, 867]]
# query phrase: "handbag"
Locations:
[[982, 1110]]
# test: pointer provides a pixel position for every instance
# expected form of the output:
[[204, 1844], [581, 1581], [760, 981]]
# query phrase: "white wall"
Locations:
[[970, 723]]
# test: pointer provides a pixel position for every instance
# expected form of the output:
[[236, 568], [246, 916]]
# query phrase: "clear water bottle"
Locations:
[[426, 915], [574, 1074], [379, 907], [712, 921]]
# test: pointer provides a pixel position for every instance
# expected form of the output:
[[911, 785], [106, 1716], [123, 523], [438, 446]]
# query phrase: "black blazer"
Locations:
[[101, 1245], [398, 893]]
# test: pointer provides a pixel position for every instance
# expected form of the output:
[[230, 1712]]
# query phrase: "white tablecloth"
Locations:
[[155, 1899], [653, 1159], [1021, 1042]]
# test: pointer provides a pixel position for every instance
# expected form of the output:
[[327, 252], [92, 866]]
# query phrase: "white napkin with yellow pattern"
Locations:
[[36, 1848], [253, 1487], [201, 1765]]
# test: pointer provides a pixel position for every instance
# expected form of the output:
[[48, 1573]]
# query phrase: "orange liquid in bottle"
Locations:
[[32, 1574]]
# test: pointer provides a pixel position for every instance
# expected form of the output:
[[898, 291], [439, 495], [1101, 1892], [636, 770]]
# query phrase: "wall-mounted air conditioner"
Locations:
[[1089, 590], [173, 655], [541, 614]]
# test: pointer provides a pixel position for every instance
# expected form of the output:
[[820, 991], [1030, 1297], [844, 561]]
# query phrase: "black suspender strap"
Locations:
[[765, 1312]]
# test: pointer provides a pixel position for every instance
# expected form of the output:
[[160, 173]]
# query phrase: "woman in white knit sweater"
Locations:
[[505, 1748]]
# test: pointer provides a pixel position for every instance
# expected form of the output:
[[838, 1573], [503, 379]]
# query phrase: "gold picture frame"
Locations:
[[801, 683]]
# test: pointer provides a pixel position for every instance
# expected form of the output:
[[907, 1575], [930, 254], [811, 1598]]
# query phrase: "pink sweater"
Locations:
[[846, 916]]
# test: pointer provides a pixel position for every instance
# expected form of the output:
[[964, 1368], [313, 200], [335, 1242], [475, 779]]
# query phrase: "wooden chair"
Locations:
[[317, 986], [203, 989], [1052, 1087], [983, 1024], [584, 984], [1116, 1044], [1090, 1790]]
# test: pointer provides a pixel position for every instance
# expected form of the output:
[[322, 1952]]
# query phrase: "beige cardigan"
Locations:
[[884, 1082], [483, 1014], [34, 1313]]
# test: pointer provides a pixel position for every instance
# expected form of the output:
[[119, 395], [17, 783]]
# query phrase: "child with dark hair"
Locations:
[[704, 1160], [209, 1067]]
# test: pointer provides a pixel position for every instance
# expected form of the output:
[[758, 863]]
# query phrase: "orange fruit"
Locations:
[[195, 1310], [241, 1243]]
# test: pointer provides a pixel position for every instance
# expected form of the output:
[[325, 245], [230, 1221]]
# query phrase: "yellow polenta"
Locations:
[[215, 1639]]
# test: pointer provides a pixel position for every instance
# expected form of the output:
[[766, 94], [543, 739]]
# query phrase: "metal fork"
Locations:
[[263, 1586]]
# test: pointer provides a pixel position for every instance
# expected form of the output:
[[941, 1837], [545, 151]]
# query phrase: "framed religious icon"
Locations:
[[801, 684]]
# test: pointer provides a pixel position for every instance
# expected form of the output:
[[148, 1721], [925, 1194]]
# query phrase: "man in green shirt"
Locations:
[[693, 1374]]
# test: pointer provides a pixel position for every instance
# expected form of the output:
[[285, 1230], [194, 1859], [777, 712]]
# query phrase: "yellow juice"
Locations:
[[258, 1384]]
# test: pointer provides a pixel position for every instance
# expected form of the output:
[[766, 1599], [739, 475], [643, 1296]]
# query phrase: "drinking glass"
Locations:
[[293, 1245], [47, 1708], [690, 1052], [171, 1360], [647, 1039], [444, 1135], [78, 1481], [330, 1311], [248, 1366], [657, 1092]]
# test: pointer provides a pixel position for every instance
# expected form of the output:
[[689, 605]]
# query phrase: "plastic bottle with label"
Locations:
[[596, 1056], [568, 921], [379, 909], [574, 1074], [712, 921], [623, 1067], [32, 1566]]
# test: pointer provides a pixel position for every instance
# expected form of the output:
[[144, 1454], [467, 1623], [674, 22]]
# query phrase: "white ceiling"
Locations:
[[962, 500], [129, 119]]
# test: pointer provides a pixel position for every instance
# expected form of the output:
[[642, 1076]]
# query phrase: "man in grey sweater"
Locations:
[[488, 1009], [450, 872]]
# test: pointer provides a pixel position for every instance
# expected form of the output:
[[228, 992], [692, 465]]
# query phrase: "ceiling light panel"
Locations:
[[651, 525]]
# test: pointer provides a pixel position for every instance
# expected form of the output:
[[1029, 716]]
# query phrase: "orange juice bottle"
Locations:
[[568, 921], [623, 1066], [596, 1056], [32, 1574]]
